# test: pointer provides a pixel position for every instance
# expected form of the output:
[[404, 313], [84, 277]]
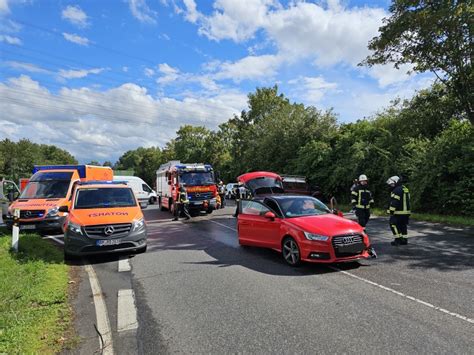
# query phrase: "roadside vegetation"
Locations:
[[34, 312]]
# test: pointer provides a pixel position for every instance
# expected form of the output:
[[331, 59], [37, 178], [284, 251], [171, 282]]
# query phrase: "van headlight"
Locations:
[[53, 212], [75, 228], [138, 224], [317, 237]]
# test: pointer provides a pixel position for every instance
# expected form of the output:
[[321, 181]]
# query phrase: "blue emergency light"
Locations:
[[81, 169], [102, 182]]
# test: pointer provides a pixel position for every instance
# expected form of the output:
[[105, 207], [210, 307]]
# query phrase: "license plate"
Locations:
[[354, 248], [27, 226], [197, 203], [104, 242]]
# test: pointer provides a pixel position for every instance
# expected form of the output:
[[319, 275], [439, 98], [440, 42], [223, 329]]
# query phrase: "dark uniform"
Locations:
[[181, 205], [362, 201], [399, 210]]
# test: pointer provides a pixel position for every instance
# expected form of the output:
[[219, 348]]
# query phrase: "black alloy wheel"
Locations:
[[291, 251]]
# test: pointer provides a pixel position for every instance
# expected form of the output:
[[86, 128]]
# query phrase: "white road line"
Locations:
[[126, 311], [124, 264], [223, 225], [401, 294], [103, 324], [398, 293]]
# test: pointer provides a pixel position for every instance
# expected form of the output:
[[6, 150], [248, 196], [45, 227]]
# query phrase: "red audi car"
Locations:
[[301, 227]]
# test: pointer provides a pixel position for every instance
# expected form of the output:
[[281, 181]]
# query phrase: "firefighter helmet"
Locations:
[[393, 180], [363, 178]]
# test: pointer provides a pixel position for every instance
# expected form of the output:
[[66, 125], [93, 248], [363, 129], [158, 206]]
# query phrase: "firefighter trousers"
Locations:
[[399, 225], [363, 215], [181, 209]]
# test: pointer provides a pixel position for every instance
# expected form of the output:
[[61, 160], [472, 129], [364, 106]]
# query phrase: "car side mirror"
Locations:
[[143, 204], [270, 215], [63, 209]]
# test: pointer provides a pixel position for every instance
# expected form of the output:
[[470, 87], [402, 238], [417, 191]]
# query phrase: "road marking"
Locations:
[[55, 238], [223, 225], [103, 324], [401, 294], [126, 311], [124, 264]]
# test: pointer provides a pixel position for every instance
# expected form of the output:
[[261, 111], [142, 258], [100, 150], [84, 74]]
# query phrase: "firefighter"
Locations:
[[362, 200], [399, 210], [221, 192], [238, 196], [181, 204]]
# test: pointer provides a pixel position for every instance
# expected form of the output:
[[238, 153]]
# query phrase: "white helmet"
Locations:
[[393, 180], [363, 178]]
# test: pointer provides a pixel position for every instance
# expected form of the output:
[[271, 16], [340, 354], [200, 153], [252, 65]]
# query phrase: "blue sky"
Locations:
[[101, 77]]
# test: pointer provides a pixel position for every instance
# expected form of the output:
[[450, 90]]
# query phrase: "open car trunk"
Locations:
[[262, 183]]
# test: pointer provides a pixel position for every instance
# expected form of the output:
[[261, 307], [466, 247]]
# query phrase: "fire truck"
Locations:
[[198, 179]]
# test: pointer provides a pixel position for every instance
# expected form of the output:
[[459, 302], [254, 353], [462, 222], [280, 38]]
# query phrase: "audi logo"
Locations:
[[348, 240], [109, 230]]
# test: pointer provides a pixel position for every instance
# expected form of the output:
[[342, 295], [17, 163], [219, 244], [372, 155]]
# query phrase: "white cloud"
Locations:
[[125, 69], [10, 40], [75, 15], [103, 124], [77, 74], [169, 74], [9, 26], [29, 67], [236, 20], [387, 75], [312, 89], [4, 8], [76, 39], [192, 15], [149, 72], [251, 67], [141, 11]]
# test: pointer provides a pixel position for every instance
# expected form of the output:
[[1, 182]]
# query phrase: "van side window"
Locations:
[[146, 188]]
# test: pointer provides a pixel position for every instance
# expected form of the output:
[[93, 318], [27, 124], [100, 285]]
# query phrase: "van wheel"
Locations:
[[69, 257], [152, 200]]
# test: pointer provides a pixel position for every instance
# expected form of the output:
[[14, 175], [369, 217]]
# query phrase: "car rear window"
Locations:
[[104, 198]]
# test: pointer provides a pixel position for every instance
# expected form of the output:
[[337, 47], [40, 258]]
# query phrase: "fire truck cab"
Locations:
[[198, 179]]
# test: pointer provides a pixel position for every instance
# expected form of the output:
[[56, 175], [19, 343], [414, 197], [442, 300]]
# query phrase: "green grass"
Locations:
[[34, 310], [427, 217]]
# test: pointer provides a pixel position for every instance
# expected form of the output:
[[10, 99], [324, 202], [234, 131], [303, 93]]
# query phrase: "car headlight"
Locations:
[[76, 228], [311, 236], [52, 212], [138, 224]]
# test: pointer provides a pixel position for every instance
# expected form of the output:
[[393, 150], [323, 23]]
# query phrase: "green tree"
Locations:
[[435, 36]]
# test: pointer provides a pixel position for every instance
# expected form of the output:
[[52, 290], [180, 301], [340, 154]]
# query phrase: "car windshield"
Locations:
[[302, 206], [47, 185], [197, 178], [104, 198], [265, 185]]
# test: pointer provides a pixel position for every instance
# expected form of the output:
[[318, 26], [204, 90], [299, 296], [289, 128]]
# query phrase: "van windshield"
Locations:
[[47, 185], [197, 178], [105, 198]]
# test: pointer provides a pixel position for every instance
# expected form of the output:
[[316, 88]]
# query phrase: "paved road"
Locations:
[[197, 291]]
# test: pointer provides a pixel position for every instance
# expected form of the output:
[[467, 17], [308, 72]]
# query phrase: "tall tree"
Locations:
[[434, 36]]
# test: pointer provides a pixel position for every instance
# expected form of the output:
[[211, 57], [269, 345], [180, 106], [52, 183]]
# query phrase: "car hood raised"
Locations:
[[327, 224], [90, 217]]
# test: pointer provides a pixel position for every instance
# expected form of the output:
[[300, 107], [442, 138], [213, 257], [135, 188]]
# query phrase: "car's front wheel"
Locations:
[[291, 252]]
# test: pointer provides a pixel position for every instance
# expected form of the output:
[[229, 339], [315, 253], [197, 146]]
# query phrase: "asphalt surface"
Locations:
[[197, 291]]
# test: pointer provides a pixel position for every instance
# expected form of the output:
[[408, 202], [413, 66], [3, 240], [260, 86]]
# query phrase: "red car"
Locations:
[[301, 227]]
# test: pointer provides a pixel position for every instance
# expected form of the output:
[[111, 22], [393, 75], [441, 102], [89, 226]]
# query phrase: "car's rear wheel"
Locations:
[[152, 200], [291, 252]]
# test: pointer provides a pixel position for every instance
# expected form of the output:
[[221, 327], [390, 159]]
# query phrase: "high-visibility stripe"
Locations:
[[392, 208], [395, 229], [362, 206], [402, 212], [396, 197], [354, 193]]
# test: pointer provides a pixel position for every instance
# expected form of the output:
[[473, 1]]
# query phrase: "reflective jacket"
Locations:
[[183, 197], [399, 201], [361, 197]]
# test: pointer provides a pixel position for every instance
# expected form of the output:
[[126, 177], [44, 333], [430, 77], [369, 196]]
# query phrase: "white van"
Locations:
[[139, 187]]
